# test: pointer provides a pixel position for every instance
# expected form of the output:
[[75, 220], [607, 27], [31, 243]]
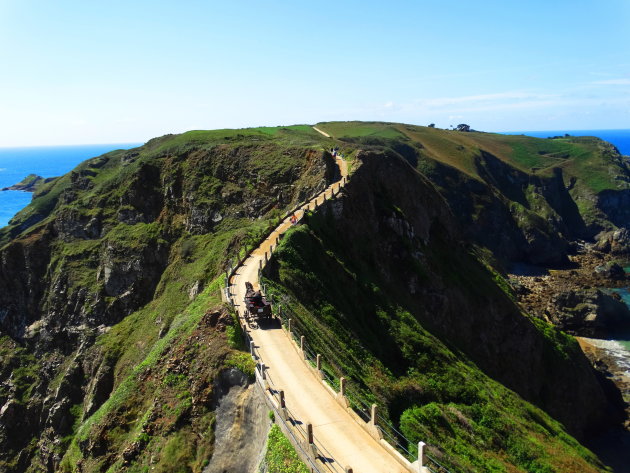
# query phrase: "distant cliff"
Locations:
[[29, 184]]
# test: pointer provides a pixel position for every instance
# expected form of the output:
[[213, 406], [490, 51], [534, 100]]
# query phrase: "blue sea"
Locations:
[[47, 161]]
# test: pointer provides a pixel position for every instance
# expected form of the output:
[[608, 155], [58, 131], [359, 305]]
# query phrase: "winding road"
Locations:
[[307, 398]]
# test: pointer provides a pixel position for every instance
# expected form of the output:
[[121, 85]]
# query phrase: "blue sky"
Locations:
[[125, 71]]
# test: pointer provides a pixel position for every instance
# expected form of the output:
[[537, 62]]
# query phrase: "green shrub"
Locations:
[[281, 457]]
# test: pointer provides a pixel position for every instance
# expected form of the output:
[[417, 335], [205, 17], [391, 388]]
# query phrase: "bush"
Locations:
[[281, 457]]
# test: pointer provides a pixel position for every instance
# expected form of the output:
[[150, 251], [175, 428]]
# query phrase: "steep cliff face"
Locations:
[[124, 228], [534, 215], [398, 273], [112, 337], [118, 250], [540, 194]]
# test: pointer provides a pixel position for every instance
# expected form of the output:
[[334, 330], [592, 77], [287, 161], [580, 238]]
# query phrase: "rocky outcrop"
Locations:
[[511, 203], [242, 424], [589, 313], [615, 204], [615, 242], [610, 270], [29, 184]]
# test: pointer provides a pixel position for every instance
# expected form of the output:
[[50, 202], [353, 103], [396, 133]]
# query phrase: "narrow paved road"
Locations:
[[306, 397], [321, 132]]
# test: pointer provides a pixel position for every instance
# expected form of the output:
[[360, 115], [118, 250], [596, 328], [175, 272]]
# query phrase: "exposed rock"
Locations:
[[615, 204], [71, 224], [218, 319], [589, 313], [195, 290], [616, 242], [610, 270], [8, 412], [242, 425], [99, 388], [508, 202]]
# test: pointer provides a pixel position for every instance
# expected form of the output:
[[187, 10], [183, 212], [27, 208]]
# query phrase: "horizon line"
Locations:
[[140, 143]]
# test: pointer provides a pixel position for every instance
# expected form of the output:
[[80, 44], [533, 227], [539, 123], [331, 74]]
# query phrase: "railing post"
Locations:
[[266, 259], [373, 416], [342, 386], [284, 414], [421, 456], [309, 431], [289, 327], [319, 362], [302, 346], [252, 348], [262, 371], [260, 264]]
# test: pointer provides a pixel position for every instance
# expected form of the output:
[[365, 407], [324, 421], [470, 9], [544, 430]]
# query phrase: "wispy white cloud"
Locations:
[[456, 106], [483, 98], [510, 101], [623, 81]]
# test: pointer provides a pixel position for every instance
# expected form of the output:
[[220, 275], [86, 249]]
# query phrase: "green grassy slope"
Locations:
[[431, 391], [588, 159], [144, 332]]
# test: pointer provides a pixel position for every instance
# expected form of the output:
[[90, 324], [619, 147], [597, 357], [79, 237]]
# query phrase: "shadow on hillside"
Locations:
[[526, 269], [613, 448]]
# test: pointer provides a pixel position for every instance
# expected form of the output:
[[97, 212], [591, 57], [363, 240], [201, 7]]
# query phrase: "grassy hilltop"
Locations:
[[113, 337]]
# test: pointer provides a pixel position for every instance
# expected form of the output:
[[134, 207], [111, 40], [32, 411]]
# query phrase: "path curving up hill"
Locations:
[[307, 398]]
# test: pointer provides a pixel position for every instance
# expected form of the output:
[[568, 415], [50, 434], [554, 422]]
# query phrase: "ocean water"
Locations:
[[620, 138], [47, 161]]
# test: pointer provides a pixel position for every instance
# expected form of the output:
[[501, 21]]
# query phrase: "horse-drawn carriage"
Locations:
[[256, 304]]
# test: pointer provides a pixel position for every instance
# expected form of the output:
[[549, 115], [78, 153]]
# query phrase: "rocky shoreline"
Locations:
[[572, 298], [608, 360]]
